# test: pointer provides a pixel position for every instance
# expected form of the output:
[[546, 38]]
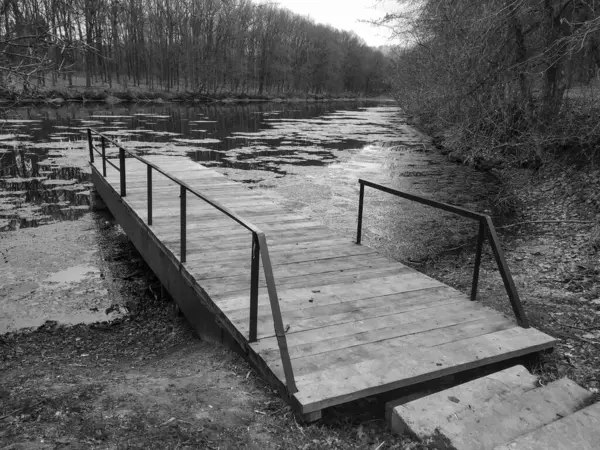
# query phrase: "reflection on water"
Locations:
[[34, 192], [43, 157], [306, 156]]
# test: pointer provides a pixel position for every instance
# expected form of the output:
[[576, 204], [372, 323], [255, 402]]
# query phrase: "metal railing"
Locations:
[[486, 229], [260, 249]]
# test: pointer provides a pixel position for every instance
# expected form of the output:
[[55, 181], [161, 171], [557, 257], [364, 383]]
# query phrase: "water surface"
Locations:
[[307, 156]]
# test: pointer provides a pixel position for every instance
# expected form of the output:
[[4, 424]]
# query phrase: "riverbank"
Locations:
[[552, 245], [146, 381]]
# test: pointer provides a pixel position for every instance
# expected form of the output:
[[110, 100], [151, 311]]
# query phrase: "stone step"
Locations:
[[421, 416], [488, 420], [580, 431]]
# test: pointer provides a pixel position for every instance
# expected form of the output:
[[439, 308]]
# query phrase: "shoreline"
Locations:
[[59, 97]]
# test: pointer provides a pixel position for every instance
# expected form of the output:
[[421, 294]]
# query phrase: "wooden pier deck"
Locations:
[[355, 323]]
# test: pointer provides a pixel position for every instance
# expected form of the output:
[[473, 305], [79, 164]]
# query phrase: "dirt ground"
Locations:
[[145, 381], [554, 256]]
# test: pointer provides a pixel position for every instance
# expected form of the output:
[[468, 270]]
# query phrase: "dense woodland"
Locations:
[[516, 79], [201, 46]]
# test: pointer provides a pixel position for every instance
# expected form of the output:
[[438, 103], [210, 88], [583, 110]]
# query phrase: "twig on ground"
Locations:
[[299, 427], [577, 328], [546, 221], [21, 409], [172, 419]]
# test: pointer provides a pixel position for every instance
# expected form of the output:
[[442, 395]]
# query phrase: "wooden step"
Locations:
[[504, 416], [421, 416], [580, 431]]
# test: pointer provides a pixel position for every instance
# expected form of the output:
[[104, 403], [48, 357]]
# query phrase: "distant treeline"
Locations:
[[202, 46]]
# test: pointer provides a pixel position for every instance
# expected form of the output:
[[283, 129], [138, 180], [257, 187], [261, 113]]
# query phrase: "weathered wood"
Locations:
[[410, 319], [580, 430], [340, 313], [349, 322], [337, 276], [401, 284], [299, 268], [471, 325], [511, 414], [420, 418], [373, 376], [298, 310]]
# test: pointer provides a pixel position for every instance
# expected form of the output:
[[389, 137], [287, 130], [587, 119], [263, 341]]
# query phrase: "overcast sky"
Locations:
[[342, 14]]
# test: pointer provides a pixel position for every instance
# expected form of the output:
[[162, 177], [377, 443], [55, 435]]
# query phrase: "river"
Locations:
[[308, 156]]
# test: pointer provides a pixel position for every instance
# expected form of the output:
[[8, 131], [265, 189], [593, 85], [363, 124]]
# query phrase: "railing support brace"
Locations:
[[149, 169], [361, 199], [254, 280], [182, 191], [90, 145], [480, 241], [507, 279], [122, 172], [103, 156]]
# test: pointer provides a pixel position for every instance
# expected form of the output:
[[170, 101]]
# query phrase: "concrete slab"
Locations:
[[421, 417], [580, 431]]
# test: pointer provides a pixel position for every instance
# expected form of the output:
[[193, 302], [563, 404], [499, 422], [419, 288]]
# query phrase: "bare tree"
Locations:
[[499, 75]]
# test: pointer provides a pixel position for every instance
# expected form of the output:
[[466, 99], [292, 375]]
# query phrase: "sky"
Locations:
[[344, 15]]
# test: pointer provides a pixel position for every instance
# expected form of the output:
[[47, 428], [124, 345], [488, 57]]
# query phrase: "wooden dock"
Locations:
[[352, 323]]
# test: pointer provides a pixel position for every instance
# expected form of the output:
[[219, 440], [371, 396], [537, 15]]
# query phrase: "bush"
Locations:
[[508, 79]]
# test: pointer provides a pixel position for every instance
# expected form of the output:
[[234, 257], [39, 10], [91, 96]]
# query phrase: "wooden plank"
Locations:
[[199, 206], [294, 269], [339, 332], [421, 293], [229, 227], [223, 285], [463, 329], [469, 324], [199, 244], [580, 430], [327, 293], [372, 376], [218, 259], [284, 254], [242, 247], [256, 217], [226, 224], [408, 320], [317, 322]]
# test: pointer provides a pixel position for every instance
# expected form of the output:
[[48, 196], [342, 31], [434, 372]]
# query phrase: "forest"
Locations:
[[515, 79], [210, 47]]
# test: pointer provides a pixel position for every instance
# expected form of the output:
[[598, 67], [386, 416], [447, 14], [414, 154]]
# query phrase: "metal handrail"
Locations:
[[486, 229], [260, 249]]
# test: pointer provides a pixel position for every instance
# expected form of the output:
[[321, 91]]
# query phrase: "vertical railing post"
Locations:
[[182, 192], [254, 280], [480, 241], [149, 168], [122, 171], [90, 145], [361, 199], [103, 156], [507, 279]]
